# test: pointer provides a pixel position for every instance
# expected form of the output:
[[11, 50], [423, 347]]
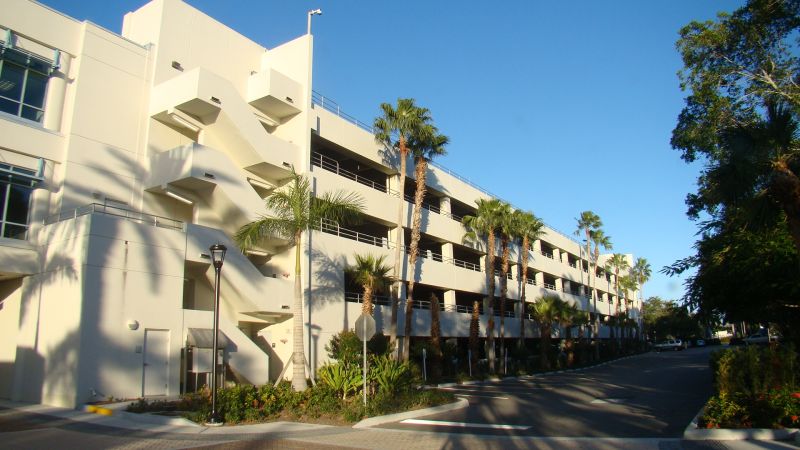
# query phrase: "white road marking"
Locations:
[[607, 400], [481, 396], [443, 423]]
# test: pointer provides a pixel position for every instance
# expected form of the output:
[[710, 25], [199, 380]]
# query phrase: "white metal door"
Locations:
[[156, 362]]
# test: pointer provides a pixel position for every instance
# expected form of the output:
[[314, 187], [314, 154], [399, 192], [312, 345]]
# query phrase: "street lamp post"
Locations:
[[313, 12], [217, 258]]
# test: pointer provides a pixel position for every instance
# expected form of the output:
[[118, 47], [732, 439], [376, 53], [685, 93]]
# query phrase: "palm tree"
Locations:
[[546, 310], [599, 239], [373, 276], [295, 209], [589, 223], [482, 228], [627, 285], [529, 228], [641, 272], [394, 129], [571, 316], [618, 262], [425, 145], [506, 232], [436, 338]]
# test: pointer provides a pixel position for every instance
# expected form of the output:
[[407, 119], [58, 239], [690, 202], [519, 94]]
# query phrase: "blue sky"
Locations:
[[557, 107]]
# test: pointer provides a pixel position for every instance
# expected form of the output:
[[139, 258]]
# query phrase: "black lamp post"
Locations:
[[217, 258]]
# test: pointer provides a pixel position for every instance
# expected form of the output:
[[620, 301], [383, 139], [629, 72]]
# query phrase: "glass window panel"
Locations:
[[3, 189], [14, 231], [32, 113], [15, 55], [34, 89], [9, 107], [11, 81], [18, 202]]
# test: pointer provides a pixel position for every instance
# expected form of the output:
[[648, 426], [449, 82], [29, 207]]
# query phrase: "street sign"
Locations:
[[365, 327]]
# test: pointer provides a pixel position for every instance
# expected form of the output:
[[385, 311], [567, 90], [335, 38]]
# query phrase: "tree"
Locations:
[[373, 276], [740, 120], [665, 319], [506, 231], [482, 228], [294, 210], [547, 310], [589, 224], [599, 239], [618, 262], [394, 128], [436, 338], [641, 273], [529, 228], [571, 317], [424, 145]]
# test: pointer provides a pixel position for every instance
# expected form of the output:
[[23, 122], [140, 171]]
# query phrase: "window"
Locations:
[[23, 83], [16, 185]]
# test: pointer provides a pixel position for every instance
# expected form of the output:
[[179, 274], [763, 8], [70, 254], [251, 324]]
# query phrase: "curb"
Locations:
[[98, 410], [380, 420], [693, 433]]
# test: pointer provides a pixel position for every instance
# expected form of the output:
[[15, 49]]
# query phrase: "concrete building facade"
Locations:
[[123, 157]]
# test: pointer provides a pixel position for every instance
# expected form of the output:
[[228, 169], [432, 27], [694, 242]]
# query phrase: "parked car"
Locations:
[[700, 343], [670, 344], [760, 338]]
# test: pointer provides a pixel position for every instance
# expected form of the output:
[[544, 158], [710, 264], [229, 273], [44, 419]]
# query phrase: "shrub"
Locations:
[[341, 378], [347, 348], [389, 374], [756, 387]]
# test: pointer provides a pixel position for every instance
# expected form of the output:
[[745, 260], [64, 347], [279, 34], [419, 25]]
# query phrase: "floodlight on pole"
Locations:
[[313, 12]]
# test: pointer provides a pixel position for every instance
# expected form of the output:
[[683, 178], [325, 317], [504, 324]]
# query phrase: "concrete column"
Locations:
[[539, 277], [447, 250], [557, 254], [582, 290], [567, 286], [56, 93], [559, 284], [450, 297], [444, 205], [536, 248]]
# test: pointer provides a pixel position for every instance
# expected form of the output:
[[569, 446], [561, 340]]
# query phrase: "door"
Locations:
[[156, 362]]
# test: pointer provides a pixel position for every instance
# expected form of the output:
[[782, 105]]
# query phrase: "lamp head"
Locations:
[[315, 12], [217, 254]]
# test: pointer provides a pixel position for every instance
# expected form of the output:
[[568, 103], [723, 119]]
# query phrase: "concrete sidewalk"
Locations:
[[80, 429]]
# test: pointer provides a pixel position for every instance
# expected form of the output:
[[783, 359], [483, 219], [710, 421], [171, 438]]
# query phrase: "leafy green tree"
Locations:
[[665, 319], [424, 145], [482, 228], [529, 228], [394, 129], [293, 210], [373, 276], [740, 119]]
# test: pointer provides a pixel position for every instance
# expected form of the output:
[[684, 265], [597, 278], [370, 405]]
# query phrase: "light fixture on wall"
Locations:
[[176, 65], [178, 197], [133, 325]]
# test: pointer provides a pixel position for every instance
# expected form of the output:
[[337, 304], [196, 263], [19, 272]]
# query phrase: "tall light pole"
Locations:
[[313, 12], [217, 258]]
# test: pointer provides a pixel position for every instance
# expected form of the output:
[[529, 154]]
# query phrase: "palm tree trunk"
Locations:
[[395, 291], [524, 277], [416, 223], [474, 334], [489, 302], [298, 354], [544, 345], [503, 294], [366, 305], [436, 335]]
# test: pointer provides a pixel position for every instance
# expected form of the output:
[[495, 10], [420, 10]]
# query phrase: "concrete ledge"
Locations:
[[380, 420], [155, 419], [693, 433]]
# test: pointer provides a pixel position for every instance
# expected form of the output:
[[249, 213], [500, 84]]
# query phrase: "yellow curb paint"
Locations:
[[104, 411], [90, 408]]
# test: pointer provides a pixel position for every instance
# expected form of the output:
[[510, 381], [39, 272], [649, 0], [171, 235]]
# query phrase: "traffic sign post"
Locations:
[[365, 329]]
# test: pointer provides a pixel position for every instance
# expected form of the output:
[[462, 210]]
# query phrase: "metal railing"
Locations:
[[357, 297], [122, 213], [552, 287], [331, 227], [548, 255], [332, 165], [333, 107]]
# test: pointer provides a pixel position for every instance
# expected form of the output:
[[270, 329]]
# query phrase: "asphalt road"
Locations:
[[654, 395]]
